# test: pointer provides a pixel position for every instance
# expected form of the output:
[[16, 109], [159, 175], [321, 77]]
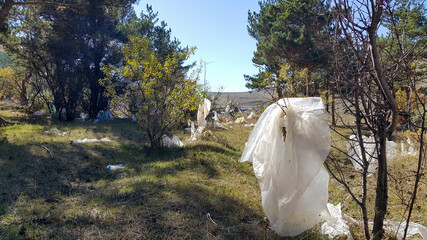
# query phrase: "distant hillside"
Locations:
[[245, 99]]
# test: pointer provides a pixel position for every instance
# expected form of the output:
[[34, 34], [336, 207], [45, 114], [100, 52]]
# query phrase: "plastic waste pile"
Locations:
[[355, 152], [292, 179], [171, 143]]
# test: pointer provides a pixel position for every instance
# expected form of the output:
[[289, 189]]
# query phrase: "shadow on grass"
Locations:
[[73, 195], [179, 211]]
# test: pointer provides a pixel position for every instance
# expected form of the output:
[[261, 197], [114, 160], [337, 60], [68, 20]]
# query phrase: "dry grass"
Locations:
[[401, 172], [161, 194]]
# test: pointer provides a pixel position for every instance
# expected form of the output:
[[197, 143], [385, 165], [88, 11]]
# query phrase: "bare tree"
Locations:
[[365, 79]]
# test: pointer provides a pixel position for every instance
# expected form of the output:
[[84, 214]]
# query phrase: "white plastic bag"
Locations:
[[293, 181], [203, 112], [355, 152], [91, 140], [399, 229], [252, 115], [240, 120], [335, 225], [411, 150], [171, 143], [38, 113], [216, 123]]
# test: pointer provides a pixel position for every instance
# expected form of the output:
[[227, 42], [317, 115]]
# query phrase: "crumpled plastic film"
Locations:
[[355, 152], [166, 141], [291, 175], [202, 112], [336, 226]]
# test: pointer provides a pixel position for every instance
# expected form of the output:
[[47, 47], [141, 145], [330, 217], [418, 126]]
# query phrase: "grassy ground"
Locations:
[[401, 178], [199, 192]]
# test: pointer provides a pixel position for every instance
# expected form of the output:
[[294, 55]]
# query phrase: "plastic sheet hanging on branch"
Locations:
[[202, 113], [291, 175]]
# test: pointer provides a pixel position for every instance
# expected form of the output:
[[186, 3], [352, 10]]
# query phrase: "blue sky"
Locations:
[[218, 28]]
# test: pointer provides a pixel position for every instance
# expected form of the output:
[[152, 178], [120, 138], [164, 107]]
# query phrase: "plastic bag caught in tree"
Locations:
[[291, 175]]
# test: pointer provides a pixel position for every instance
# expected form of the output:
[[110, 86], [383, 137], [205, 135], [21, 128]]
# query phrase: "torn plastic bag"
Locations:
[[335, 225], [196, 133], [215, 120], [166, 141], [399, 229], [355, 152], [91, 140], [411, 150], [338, 225], [240, 120], [38, 113], [252, 115], [203, 112], [293, 181]]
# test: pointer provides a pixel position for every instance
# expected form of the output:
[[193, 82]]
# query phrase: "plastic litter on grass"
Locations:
[[91, 140]]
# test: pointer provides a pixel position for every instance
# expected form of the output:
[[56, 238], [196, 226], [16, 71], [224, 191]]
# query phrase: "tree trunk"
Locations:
[[4, 123], [4, 11], [376, 62], [23, 99], [279, 92], [364, 161], [381, 192], [327, 94], [334, 123], [307, 90]]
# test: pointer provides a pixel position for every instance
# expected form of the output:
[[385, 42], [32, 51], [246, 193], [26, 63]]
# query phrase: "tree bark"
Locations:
[[279, 92], [307, 90], [334, 122], [327, 94], [376, 62], [381, 191], [5, 10]]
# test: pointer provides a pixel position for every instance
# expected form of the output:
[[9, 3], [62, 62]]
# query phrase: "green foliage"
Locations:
[[153, 89], [7, 76], [404, 44], [293, 79], [62, 49], [292, 32]]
